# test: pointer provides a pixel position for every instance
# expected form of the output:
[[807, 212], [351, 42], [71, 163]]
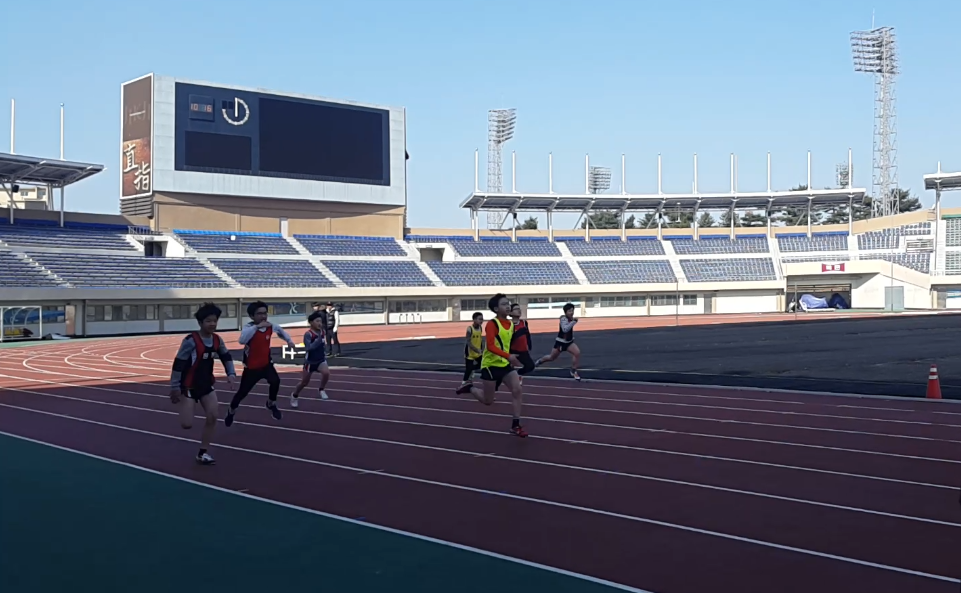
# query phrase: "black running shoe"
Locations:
[[274, 410], [205, 459], [230, 417], [463, 389]]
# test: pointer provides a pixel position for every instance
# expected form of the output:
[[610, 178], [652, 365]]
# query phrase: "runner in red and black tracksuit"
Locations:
[[255, 338], [521, 342], [192, 377]]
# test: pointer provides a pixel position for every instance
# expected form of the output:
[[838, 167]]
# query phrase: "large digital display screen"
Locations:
[[249, 133]]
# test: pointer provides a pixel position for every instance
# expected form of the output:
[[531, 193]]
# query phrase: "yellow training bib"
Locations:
[[504, 335]]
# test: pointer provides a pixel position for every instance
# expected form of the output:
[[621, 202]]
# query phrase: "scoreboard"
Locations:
[[196, 138], [250, 133]]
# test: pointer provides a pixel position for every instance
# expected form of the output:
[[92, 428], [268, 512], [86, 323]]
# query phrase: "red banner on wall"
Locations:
[[832, 267]]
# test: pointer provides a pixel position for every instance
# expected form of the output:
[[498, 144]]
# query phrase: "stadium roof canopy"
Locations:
[[943, 181], [15, 168], [518, 202]]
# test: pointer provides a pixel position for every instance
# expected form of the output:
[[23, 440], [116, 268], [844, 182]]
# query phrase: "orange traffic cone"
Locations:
[[934, 384]]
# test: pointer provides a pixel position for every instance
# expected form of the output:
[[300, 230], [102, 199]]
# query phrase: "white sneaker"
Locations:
[[323, 395], [294, 402]]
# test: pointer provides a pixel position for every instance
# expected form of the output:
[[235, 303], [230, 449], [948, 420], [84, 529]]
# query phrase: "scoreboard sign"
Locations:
[[241, 132], [832, 267]]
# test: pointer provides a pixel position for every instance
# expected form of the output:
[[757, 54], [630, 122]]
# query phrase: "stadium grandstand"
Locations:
[[202, 219]]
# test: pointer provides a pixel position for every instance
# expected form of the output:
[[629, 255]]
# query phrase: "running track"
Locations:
[[662, 489]]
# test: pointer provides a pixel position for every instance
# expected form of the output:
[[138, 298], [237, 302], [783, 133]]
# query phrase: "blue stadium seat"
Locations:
[[34, 235], [729, 269], [332, 245], [720, 245], [615, 248], [467, 273], [920, 262], [16, 271], [628, 272], [505, 248], [378, 273], [104, 271], [798, 243], [266, 273], [226, 242]]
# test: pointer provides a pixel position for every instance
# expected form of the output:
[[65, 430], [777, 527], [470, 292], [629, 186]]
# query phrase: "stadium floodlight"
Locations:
[[500, 129], [598, 180], [875, 52], [842, 175]]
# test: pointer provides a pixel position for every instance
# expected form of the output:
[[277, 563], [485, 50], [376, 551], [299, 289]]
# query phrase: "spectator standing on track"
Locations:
[[258, 365], [564, 342], [521, 343], [497, 364], [474, 348], [316, 358], [333, 325], [192, 378]]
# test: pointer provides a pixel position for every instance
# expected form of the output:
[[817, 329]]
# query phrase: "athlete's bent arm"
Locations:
[[246, 334]]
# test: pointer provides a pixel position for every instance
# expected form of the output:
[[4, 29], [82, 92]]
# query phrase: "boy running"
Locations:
[[521, 343], [564, 342], [255, 338], [497, 364], [316, 358], [192, 377], [474, 348]]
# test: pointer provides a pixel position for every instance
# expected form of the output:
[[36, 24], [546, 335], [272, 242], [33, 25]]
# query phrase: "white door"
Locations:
[[283, 227]]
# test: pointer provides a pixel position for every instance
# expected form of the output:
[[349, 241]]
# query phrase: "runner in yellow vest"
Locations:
[[497, 363], [474, 348]]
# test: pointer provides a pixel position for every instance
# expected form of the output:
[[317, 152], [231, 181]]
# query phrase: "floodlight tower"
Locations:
[[842, 175], [875, 52], [500, 129], [598, 180]]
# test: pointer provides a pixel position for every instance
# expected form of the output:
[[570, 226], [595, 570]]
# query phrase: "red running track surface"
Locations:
[[665, 489]]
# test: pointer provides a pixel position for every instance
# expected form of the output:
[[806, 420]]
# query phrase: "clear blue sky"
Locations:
[[604, 78]]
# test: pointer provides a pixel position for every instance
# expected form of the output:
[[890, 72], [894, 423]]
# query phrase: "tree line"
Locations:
[[609, 219]]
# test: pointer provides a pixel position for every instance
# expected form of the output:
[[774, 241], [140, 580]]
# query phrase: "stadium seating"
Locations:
[[628, 272], [797, 243], [57, 237], [506, 248], [615, 248], [105, 271], [729, 269], [463, 273], [883, 239], [266, 273], [15, 271], [360, 273], [720, 245], [224, 242], [337, 246], [920, 262]]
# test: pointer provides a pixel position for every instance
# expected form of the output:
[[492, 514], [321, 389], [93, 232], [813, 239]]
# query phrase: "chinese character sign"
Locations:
[[832, 267], [136, 127]]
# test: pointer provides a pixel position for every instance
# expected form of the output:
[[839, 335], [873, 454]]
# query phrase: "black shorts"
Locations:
[[313, 367], [562, 346], [198, 393], [496, 374]]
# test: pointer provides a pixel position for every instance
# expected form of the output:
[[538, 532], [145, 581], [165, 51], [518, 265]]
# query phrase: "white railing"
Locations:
[[410, 318]]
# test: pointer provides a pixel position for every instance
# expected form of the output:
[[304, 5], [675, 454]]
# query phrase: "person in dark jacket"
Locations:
[[333, 325]]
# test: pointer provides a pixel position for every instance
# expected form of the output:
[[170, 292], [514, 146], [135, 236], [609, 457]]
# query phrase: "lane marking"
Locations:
[[553, 504], [461, 452]]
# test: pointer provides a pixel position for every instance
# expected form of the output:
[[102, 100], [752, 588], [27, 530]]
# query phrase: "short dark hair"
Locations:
[[569, 307], [495, 300], [314, 315], [206, 310], [316, 304], [476, 315], [252, 308], [515, 306]]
